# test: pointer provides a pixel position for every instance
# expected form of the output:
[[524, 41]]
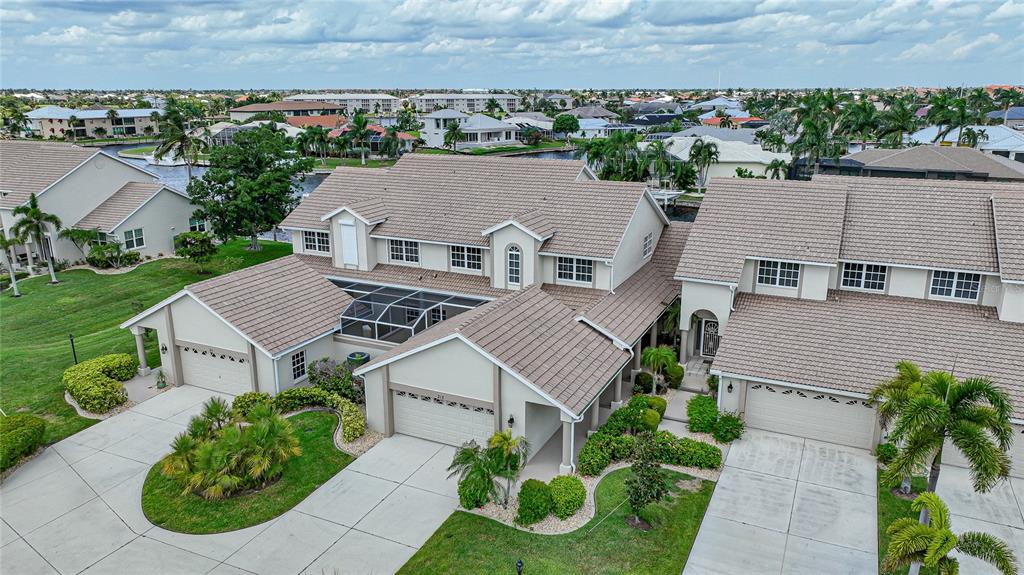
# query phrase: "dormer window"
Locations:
[[404, 251], [466, 258], [778, 274], [956, 285], [576, 270], [513, 265], [868, 277], [316, 242]]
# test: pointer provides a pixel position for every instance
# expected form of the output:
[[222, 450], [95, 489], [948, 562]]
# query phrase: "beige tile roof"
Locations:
[[941, 158], [453, 199], [119, 206], [538, 338], [1008, 212], [29, 167], [853, 340], [408, 277], [278, 304], [739, 218]]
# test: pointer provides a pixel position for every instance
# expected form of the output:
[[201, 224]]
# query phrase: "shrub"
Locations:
[[712, 382], [245, 403], [728, 428], [674, 376], [111, 255], [886, 452], [659, 404], [336, 377], [568, 494], [650, 420], [297, 398], [20, 435], [353, 422], [646, 484], [702, 413], [594, 456], [693, 453], [473, 492], [95, 384], [621, 447], [643, 382], [535, 502]]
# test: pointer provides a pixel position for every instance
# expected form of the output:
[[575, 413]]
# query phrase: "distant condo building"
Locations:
[[466, 103], [351, 102]]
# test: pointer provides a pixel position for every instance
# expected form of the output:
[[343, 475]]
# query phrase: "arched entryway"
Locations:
[[704, 335]]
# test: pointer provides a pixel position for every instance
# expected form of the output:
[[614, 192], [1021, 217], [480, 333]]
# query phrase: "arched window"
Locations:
[[513, 267]]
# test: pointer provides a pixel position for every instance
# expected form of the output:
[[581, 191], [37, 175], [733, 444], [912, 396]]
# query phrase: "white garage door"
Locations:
[[432, 418], [215, 370], [953, 456], [820, 416]]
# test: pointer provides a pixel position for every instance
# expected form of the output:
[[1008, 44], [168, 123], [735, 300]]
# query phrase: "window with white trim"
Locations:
[[133, 239], [779, 274], [404, 251], [575, 269], [316, 242], [299, 364], [957, 285], [196, 225], [869, 277], [466, 258], [513, 263], [648, 244]]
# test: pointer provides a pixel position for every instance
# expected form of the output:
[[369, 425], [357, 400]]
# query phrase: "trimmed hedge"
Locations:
[[659, 404], [674, 376], [353, 422], [728, 428], [95, 384], [650, 420], [568, 495], [244, 403], [702, 412], [21, 434], [535, 502]]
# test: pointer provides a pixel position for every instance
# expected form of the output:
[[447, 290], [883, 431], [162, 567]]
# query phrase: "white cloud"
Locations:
[[8, 16], [1007, 10], [952, 46]]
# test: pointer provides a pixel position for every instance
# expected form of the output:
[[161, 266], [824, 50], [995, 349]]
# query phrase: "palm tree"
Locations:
[[776, 167], [513, 453], [477, 467], [177, 139], [971, 138], [860, 120], [658, 359], [491, 106], [670, 321], [72, 120], [659, 159], [113, 117], [956, 115], [896, 121], [771, 140], [99, 132], [703, 155], [358, 133], [1007, 99], [912, 543], [7, 245], [725, 122], [34, 223], [314, 139], [80, 238], [148, 131], [16, 121], [453, 134], [684, 176], [390, 144]]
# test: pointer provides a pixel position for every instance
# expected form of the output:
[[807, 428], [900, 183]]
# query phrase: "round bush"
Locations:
[[568, 494], [594, 456], [244, 403], [728, 428], [659, 404], [95, 384], [692, 453], [472, 493], [650, 420], [886, 452], [702, 412], [643, 381], [20, 435], [535, 502], [674, 376], [336, 377]]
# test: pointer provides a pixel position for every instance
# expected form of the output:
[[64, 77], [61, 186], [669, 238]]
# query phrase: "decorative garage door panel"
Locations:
[[215, 370], [952, 456], [433, 418], [820, 416]]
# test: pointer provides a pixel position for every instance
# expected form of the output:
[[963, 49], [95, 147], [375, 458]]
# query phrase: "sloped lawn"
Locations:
[[34, 328], [468, 543]]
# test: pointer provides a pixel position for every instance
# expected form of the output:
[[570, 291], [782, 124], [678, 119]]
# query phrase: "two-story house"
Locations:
[[804, 295], [489, 292], [478, 130]]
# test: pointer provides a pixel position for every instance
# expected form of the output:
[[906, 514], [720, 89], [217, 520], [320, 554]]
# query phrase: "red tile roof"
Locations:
[[329, 121]]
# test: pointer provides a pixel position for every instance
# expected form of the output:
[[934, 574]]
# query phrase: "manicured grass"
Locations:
[[468, 543], [891, 508], [502, 149], [165, 505], [34, 328], [353, 162], [438, 151], [141, 150]]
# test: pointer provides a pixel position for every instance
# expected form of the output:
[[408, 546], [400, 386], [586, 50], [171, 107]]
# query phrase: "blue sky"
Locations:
[[205, 44]]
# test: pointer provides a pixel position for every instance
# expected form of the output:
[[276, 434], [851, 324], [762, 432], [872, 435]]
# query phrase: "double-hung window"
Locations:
[[780, 274], [575, 269], [196, 225], [467, 258], [299, 364], [133, 239], [957, 285], [316, 242], [869, 277], [404, 251], [648, 244]]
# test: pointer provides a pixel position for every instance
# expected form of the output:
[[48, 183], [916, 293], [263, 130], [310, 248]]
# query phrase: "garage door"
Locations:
[[431, 417], [952, 456], [215, 370], [820, 416]]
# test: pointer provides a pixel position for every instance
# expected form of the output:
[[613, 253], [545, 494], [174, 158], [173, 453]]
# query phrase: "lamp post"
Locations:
[[74, 354], [519, 567]]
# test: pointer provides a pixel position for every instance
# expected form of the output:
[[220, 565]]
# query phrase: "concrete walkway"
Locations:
[[76, 508], [786, 505]]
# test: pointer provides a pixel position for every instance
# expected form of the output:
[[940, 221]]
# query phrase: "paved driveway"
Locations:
[[76, 508], [786, 505], [1000, 512]]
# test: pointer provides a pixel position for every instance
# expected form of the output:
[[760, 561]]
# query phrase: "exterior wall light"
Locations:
[[511, 421], [729, 389], [163, 349]]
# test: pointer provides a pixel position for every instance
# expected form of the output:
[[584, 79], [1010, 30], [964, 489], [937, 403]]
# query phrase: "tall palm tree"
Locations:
[[957, 115], [491, 106], [859, 120], [660, 162], [7, 246], [776, 167], [896, 121], [684, 176], [1007, 99], [703, 155], [971, 138], [453, 134], [358, 133], [33, 223], [912, 543], [771, 140], [177, 139], [17, 121]]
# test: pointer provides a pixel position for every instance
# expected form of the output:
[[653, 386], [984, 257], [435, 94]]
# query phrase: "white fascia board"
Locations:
[[701, 281], [354, 214], [518, 225], [914, 267], [813, 388], [789, 261], [296, 229]]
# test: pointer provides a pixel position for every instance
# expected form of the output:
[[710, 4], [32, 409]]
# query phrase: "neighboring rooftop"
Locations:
[[1013, 113], [121, 204], [334, 96], [446, 113], [598, 112], [1008, 212], [998, 137], [29, 167], [729, 151], [61, 113], [745, 135], [973, 163], [484, 122]]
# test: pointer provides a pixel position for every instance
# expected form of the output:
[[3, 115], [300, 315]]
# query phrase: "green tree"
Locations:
[[177, 139], [860, 120], [478, 468], [7, 245], [777, 168], [1007, 99], [703, 155], [491, 107], [646, 484], [912, 543], [658, 359], [511, 453], [725, 122], [251, 185], [196, 247], [359, 134], [81, 238], [99, 132], [684, 176], [390, 144], [897, 121], [566, 124], [971, 137], [744, 173], [72, 123], [659, 159], [113, 117], [32, 222], [453, 134], [771, 140]]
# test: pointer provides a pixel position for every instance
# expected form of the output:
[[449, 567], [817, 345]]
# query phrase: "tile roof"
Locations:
[[777, 219], [592, 112], [853, 340], [278, 304], [121, 204], [286, 105], [329, 121], [30, 167], [538, 338], [940, 158], [452, 199], [408, 277], [728, 150], [1008, 212]]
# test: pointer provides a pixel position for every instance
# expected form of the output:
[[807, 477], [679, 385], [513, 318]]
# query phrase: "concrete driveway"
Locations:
[[76, 508], [1000, 512], [786, 505]]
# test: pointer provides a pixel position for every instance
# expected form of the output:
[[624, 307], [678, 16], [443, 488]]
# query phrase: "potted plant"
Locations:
[[161, 379]]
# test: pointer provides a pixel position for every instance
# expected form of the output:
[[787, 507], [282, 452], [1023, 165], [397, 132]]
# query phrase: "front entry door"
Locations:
[[709, 338]]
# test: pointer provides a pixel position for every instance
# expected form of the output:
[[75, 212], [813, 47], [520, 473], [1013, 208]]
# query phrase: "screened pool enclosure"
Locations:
[[396, 314]]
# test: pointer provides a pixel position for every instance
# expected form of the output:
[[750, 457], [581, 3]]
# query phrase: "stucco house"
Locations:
[[478, 130], [732, 154], [803, 295], [88, 189], [489, 292]]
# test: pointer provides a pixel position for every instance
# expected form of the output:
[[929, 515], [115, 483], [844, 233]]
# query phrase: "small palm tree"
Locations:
[[358, 133], [80, 238], [491, 106], [658, 359], [34, 223], [148, 131], [7, 245], [726, 122], [453, 134], [513, 453], [100, 132], [390, 144], [479, 467], [912, 543], [72, 120], [776, 167], [703, 155], [113, 117]]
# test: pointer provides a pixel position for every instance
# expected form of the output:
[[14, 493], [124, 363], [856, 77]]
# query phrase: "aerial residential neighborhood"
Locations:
[[630, 287]]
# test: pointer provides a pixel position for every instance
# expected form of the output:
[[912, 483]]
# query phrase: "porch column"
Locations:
[[389, 407], [636, 356], [566, 466], [684, 343], [619, 382], [177, 378], [654, 335], [140, 348], [595, 417], [496, 398], [252, 368]]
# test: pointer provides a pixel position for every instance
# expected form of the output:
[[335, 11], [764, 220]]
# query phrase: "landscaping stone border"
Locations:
[[354, 448], [119, 271]]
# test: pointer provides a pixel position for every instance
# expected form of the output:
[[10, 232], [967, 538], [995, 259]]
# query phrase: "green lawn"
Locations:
[[141, 150], [166, 506], [891, 508], [550, 145], [468, 543], [438, 151], [34, 328], [353, 162]]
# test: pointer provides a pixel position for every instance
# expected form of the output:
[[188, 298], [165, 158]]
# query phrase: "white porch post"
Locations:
[[140, 348], [619, 382], [595, 417], [654, 335], [566, 466]]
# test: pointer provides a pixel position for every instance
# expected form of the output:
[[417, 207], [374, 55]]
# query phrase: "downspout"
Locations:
[[732, 298]]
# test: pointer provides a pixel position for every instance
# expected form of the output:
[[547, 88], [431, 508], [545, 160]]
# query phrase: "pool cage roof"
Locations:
[[395, 314]]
